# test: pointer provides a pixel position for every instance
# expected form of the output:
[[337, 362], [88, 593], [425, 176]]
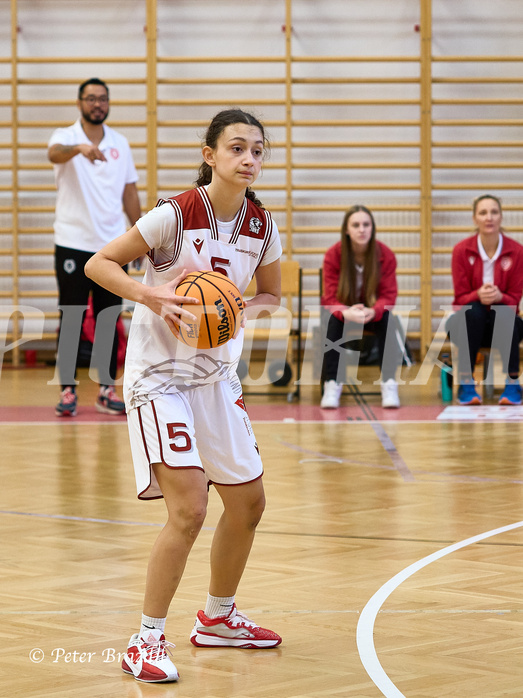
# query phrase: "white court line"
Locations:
[[365, 628]]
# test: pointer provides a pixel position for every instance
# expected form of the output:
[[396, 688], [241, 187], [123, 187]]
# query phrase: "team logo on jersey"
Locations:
[[241, 403], [114, 153], [505, 263], [254, 225], [472, 259], [69, 266], [198, 244]]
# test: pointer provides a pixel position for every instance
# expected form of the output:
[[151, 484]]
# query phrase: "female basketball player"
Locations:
[[359, 283], [187, 420]]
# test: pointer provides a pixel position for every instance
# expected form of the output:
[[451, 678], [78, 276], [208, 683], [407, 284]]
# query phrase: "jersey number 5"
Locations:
[[181, 441], [218, 264]]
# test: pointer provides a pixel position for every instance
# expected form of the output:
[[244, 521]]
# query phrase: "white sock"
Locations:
[[218, 606], [149, 623]]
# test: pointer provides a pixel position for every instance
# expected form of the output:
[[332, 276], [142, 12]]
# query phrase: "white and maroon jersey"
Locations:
[[183, 233]]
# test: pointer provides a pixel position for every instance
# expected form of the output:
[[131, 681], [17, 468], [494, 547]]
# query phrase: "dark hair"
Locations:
[[347, 283], [485, 196], [219, 123], [92, 81]]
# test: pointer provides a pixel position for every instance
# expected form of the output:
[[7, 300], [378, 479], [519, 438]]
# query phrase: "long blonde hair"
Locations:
[[371, 272]]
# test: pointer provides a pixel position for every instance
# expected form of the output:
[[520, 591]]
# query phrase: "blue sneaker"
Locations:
[[512, 394], [468, 395]]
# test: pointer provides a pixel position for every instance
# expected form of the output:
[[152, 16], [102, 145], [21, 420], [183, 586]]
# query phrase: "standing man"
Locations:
[[96, 182]]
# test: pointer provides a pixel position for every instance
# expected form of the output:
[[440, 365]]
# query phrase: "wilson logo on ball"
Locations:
[[219, 313]]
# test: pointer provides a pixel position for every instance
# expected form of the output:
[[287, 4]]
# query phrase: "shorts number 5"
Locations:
[[176, 432]]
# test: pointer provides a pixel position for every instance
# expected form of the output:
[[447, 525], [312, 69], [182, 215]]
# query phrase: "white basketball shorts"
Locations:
[[206, 427]]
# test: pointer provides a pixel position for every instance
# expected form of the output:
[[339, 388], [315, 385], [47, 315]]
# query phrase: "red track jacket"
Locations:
[[467, 271], [386, 292]]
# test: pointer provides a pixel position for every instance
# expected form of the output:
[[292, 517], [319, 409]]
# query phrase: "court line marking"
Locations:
[[320, 457], [333, 536], [365, 627], [272, 612], [284, 420], [52, 422], [392, 451], [82, 519]]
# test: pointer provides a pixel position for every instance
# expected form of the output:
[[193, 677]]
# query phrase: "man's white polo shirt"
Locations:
[[89, 210]]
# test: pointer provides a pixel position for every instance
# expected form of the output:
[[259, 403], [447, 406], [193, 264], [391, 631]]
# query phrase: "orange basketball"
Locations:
[[217, 316]]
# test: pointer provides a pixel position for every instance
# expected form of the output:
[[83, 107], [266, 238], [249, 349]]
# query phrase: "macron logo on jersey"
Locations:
[[198, 244]]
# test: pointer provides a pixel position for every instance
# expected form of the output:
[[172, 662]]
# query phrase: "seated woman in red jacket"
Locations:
[[487, 271], [359, 284]]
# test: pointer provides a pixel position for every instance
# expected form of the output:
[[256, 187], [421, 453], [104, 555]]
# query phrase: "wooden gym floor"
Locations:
[[389, 557]]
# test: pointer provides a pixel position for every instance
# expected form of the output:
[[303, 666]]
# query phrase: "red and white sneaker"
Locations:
[[67, 405], [108, 401], [234, 630], [146, 658]]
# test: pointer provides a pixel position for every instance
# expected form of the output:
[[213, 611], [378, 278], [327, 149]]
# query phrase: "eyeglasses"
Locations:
[[91, 99]]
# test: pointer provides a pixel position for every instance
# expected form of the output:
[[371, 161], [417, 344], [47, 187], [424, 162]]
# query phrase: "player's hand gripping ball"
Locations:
[[219, 314]]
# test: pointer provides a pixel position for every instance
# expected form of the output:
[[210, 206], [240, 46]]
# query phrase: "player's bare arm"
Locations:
[[268, 291], [133, 211], [105, 269]]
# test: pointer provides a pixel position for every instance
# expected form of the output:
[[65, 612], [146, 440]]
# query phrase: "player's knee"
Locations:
[[255, 511], [189, 518], [195, 518]]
